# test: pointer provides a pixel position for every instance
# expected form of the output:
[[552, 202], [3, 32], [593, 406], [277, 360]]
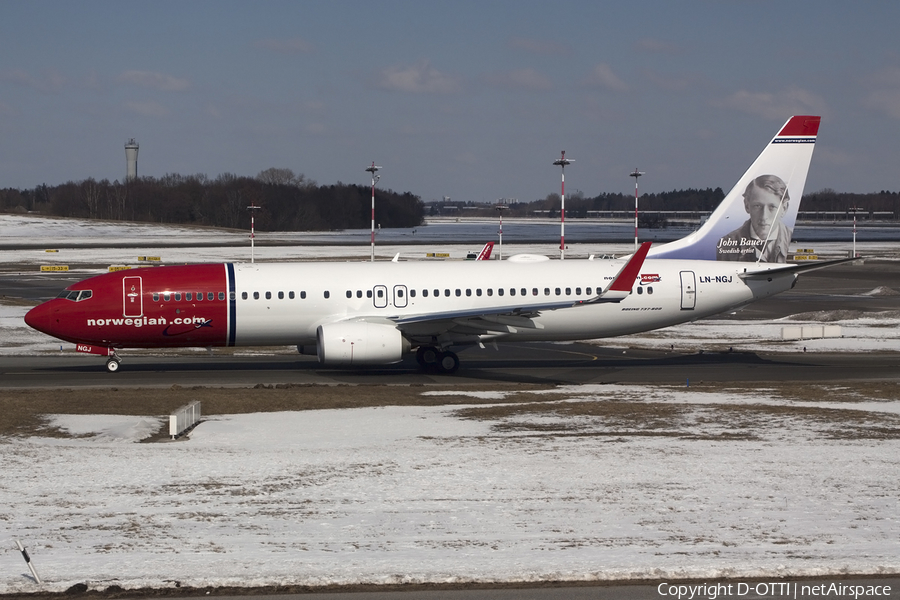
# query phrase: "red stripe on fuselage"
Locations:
[[157, 322]]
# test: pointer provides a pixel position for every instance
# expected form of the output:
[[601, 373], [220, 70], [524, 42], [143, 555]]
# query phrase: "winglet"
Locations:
[[623, 282]]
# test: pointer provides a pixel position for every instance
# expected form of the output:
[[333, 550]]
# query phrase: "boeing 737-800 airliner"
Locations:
[[373, 313]]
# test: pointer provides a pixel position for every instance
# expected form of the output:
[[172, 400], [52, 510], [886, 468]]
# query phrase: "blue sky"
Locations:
[[471, 100]]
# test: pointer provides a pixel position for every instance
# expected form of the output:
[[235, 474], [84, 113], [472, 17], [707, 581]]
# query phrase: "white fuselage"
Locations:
[[285, 303]]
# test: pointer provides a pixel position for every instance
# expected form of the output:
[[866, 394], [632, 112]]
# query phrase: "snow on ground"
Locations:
[[428, 494], [422, 494]]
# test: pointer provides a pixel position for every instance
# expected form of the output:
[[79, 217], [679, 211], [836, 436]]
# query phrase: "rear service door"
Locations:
[[132, 297], [688, 290]]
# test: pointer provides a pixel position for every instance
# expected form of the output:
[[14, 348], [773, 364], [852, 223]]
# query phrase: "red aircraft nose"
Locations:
[[41, 318]]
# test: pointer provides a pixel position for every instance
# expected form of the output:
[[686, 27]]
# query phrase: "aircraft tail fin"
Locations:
[[755, 220], [485, 253]]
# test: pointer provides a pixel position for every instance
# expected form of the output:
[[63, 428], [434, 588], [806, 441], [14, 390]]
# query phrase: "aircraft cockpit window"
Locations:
[[75, 295]]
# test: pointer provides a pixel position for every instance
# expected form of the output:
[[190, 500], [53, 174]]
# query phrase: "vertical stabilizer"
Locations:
[[755, 221]]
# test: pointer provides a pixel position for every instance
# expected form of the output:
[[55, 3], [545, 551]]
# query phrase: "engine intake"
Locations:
[[360, 343]]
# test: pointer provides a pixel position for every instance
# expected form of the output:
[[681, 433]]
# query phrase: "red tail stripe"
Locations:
[[801, 126]]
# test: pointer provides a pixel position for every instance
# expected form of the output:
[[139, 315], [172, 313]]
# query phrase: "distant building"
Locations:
[[131, 154]]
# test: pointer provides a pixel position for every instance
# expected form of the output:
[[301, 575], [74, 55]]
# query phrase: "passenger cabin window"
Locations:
[[281, 295], [243, 295], [156, 296], [167, 296], [177, 296], [268, 295], [327, 294], [188, 296], [349, 294], [424, 293], [256, 295], [221, 295], [291, 295], [303, 295], [210, 296]]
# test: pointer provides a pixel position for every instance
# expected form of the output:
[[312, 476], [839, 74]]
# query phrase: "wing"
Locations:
[[498, 320]]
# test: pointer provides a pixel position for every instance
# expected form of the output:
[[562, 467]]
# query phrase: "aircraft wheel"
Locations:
[[426, 356], [448, 362], [112, 365]]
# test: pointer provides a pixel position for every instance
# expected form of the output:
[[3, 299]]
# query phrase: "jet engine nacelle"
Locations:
[[360, 343]]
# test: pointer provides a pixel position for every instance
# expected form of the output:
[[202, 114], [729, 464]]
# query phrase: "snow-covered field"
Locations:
[[599, 482], [719, 484]]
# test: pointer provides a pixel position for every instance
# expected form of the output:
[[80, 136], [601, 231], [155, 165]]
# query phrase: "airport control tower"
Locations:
[[131, 152]]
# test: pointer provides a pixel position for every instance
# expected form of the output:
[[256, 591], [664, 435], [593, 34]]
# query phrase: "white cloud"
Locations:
[[522, 79], [156, 81], [147, 109], [775, 105], [884, 101], [51, 81], [420, 78], [603, 76]]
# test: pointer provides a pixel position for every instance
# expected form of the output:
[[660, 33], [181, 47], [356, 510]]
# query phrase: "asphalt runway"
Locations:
[[841, 288], [846, 287]]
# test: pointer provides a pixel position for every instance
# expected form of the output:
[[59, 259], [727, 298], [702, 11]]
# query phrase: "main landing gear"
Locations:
[[437, 361]]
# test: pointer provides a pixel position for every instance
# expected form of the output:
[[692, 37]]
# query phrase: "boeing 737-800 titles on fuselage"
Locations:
[[373, 313]]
